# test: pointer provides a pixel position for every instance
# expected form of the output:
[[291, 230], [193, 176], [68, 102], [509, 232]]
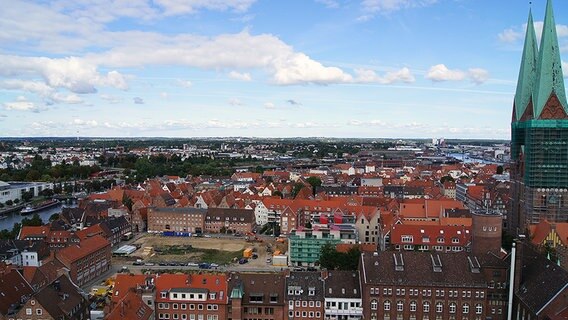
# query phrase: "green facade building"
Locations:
[[539, 132], [304, 248]]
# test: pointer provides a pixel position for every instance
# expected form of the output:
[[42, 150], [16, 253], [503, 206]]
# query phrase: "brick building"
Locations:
[[86, 260], [235, 220], [420, 285], [257, 296], [191, 297], [59, 300], [176, 219], [305, 295]]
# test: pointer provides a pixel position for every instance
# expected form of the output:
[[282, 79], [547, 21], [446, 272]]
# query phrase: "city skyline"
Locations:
[[363, 69]]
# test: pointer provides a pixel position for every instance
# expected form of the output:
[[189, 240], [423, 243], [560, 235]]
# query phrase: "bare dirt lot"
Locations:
[[220, 250], [225, 244]]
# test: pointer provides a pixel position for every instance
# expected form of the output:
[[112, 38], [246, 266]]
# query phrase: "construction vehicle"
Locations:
[[251, 237], [247, 253]]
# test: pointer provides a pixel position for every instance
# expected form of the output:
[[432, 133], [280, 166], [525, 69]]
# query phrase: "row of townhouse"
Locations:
[[387, 285], [37, 293], [194, 220]]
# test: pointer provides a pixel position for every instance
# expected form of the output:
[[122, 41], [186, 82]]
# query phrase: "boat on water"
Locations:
[[41, 206]]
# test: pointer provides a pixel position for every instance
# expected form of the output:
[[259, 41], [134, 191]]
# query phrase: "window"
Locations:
[[39, 312], [478, 308], [399, 305], [29, 311], [439, 307], [374, 304], [413, 306], [387, 305], [426, 306], [453, 307], [465, 308]]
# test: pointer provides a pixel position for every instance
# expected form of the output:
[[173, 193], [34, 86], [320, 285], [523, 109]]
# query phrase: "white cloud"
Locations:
[[74, 74], [176, 7], [509, 35], [66, 98], [329, 3], [240, 76], [184, 83], [387, 6], [138, 100], [264, 51], [517, 33], [22, 104], [440, 73], [85, 123], [402, 75], [478, 75], [235, 102], [298, 68], [269, 105], [110, 98], [370, 123]]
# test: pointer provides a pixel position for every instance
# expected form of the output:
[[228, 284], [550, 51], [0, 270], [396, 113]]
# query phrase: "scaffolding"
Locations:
[[539, 150]]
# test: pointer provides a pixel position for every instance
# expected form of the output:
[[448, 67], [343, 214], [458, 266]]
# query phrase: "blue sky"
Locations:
[[201, 68]]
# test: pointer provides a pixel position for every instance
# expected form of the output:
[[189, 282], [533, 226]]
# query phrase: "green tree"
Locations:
[[297, 187], [54, 217], [331, 259], [446, 178], [499, 169], [28, 195], [127, 202], [9, 202], [315, 182], [277, 194]]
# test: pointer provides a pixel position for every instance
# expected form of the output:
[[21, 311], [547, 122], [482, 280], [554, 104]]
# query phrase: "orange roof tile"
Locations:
[[130, 307], [75, 252], [123, 283], [32, 232]]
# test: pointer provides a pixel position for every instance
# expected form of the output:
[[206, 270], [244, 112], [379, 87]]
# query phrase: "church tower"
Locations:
[[539, 133]]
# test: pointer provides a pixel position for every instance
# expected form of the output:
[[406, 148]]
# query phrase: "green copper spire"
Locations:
[[549, 69], [527, 74]]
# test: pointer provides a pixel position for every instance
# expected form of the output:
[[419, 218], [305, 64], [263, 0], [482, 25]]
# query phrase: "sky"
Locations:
[[264, 68]]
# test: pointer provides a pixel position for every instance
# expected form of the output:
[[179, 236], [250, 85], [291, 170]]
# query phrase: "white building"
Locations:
[[14, 190]]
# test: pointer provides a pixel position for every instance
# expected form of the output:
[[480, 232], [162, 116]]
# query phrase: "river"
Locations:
[[11, 218]]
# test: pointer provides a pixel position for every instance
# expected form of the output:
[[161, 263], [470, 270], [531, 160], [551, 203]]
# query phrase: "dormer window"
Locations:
[[311, 291], [164, 294]]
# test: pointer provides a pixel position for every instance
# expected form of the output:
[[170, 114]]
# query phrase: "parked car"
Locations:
[[204, 265], [192, 264], [243, 261]]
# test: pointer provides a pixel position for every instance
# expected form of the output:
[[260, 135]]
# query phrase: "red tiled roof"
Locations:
[[32, 232], [125, 282], [86, 247], [131, 307], [213, 282], [420, 233], [90, 232]]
